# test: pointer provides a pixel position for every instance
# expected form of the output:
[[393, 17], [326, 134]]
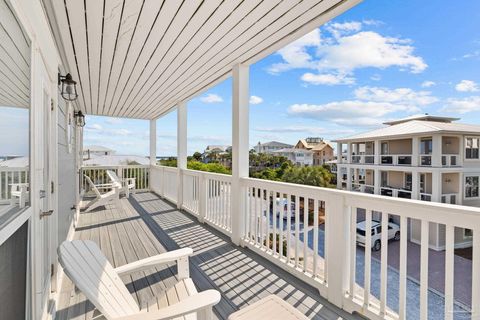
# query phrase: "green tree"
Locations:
[[313, 176], [197, 156]]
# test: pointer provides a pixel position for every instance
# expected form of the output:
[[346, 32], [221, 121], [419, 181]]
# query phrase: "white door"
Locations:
[[43, 218]]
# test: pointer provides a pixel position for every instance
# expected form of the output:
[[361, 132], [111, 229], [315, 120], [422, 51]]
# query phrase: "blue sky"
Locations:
[[379, 61]]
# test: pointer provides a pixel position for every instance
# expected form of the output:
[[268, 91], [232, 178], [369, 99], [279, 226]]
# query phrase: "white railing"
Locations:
[[98, 175], [451, 198], [425, 196], [363, 159], [396, 192], [396, 159], [425, 159], [204, 194], [450, 160], [311, 233], [8, 176]]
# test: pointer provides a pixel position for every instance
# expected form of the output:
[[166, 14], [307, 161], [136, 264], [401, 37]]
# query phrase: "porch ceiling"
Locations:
[[138, 59]]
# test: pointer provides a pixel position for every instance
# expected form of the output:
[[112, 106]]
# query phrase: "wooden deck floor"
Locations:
[[146, 225]]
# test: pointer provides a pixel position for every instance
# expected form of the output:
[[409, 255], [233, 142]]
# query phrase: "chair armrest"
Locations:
[[194, 303], [147, 263]]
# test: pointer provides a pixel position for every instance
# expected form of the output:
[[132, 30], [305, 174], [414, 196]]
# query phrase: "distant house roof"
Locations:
[[116, 160], [217, 148], [423, 117], [314, 144], [18, 162], [415, 127], [275, 144], [97, 148]]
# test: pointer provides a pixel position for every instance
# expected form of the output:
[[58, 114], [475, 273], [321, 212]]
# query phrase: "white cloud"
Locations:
[[467, 86], [427, 84], [295, 54], [211, 98], [404, 96], [255, 100], [350, 112], [327, 79], [94, 127], [335, 58], [111, 120], [376, 77], [464, 105]]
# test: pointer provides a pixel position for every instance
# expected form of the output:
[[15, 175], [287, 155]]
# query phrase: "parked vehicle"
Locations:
[[282, 205], [393, 233]]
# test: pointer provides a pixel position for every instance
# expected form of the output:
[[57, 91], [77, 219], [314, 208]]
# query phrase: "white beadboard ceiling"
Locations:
[[14, 60], [139, 58]]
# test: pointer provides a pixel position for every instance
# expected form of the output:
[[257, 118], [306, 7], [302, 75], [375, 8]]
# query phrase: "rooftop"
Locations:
[[275, 144], [423, 117]]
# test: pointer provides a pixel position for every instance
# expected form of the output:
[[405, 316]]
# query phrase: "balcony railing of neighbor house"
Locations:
[[425, 196], [396, 159], [450, 160], [425, 159], [311, 233], [9, 176], [98, 175], [451, 198], [363, 158]]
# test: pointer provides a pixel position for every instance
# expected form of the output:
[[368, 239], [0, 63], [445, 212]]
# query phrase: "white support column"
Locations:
[[376, 180], [240, 154], [376, 150], [153, 142], [436, 185], [339, 152], [415, 185], [436, 150], [181, 149], [460, 188], [415, 151], [461, 151]]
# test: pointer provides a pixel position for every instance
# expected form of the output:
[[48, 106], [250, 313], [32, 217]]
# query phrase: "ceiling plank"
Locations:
[[128, 24], [145, 25], [76, 16], [178, 24], [94, 27]]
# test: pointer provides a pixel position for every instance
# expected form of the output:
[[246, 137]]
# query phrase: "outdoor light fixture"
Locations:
[[69, 87], [79, 118]]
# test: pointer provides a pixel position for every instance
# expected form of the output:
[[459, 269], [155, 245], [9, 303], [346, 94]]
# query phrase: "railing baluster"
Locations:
[[282, 212], [424, 271], [274, 222], [384, 264], [315, 237], [305, 233], [402, 304], [353, 249], [262, 227], [368, 257], [297, 230], [449, 270], [289, 227], [475, 273], [267, 213]]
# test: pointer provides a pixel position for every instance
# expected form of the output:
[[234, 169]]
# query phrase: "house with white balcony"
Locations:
[[425, 157], [155, 242], [299, 157], [271, 146], [322, 149]]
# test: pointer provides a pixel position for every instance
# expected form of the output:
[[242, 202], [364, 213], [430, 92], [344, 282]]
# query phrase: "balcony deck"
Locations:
[[146, 225]]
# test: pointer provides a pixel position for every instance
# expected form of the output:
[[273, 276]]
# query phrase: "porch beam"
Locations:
[[153, 142], [240, 154], [181, 149]]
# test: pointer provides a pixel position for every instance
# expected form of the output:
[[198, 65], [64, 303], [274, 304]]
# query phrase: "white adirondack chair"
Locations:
[[127, 184], [19, 191], [102, 198], [90, 271]]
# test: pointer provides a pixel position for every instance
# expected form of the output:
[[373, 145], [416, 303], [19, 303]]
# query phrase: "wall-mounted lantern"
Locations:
[[69, 87], [79, 118]]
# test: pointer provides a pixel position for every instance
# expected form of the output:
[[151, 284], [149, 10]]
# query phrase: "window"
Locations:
[[467, 233], [471, 148], [384, 180], [384, 148], [426, 146], [471, 187]]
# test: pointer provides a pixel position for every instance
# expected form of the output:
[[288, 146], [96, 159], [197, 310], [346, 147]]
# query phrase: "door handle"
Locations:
[[46, 213]]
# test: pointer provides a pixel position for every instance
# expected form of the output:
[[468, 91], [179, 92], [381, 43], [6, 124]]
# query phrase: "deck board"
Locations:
[[146, 225]]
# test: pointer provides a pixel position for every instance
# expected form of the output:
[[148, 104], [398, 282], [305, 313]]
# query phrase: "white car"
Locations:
[[393, 233], [282, 205]]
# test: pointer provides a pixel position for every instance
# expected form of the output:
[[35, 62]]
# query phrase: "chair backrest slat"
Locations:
[[113, 176], [92, 185], [90, 271]]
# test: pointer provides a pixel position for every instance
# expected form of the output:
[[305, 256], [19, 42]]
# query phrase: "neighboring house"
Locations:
[[15, 162], [299, 157], [116, 160], [425, 157], [270, 147], [215, 153], [92, 151], [322, 150]]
